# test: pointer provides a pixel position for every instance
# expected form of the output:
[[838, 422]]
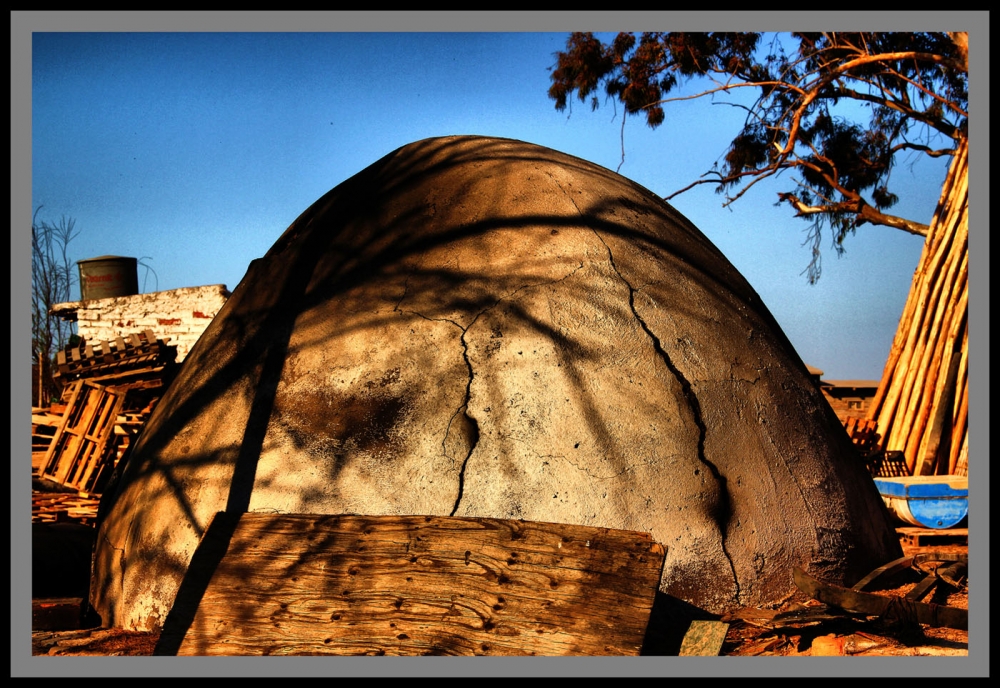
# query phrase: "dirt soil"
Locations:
[[751, 632]]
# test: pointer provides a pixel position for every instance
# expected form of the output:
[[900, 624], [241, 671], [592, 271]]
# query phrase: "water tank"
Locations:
[[107, 276]]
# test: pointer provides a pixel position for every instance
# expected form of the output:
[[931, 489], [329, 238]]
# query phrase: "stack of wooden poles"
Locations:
[[922, 403]]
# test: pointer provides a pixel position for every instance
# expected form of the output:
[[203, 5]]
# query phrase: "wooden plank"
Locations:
[[152, 343], [38, 460], [927, 463], [306, 584], [924, 537]]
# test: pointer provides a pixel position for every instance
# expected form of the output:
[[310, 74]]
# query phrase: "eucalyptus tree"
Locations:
[[801, 93]]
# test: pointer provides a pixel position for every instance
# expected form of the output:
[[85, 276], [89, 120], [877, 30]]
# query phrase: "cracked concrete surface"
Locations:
[[467, 427], [721, 510], [484, 328]]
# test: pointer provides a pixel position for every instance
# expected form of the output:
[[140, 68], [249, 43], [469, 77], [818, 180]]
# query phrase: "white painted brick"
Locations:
[[104, 319]]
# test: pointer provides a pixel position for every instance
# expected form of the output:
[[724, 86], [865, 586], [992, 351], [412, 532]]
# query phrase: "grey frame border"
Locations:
[[23, 23]]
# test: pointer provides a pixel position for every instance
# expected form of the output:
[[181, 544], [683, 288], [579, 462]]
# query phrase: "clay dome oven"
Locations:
[[483, 327]]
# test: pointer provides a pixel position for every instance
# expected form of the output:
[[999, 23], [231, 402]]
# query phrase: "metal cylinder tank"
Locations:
[[107, 276]]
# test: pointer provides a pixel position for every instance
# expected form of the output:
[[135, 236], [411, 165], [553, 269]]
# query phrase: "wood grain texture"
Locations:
[[303, 584]]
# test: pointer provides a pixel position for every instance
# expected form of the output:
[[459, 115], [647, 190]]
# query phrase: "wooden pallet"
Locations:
[[136, 350], [83, 447], [100, 418], [880, 463], [928, 537], [863, 433]]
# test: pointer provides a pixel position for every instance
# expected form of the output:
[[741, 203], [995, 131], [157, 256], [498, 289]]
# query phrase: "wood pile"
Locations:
[[110, 390], [64, 507]]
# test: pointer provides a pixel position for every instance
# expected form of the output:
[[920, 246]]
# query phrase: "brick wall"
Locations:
[[178, 316], [845, 408]]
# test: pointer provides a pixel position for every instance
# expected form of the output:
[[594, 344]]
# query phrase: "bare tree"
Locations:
[[51, 280]]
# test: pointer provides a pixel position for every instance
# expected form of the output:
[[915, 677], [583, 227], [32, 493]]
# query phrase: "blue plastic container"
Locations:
[[927, 501]]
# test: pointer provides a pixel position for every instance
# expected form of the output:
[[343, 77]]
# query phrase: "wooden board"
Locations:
[[924, 537], [308, 584]]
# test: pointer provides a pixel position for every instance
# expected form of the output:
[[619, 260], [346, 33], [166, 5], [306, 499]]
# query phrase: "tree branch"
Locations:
[[725, 88], [941, 125], [926, 150], [904, 55], [864, 212]]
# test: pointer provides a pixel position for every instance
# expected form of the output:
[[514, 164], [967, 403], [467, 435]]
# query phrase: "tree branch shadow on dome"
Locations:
[[345, 242]]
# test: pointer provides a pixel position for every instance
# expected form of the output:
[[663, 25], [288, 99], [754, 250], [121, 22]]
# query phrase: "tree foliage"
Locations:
[[805, 94], [51, 279]]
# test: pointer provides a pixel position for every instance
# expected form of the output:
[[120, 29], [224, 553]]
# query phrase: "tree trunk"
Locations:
[[921, 409]]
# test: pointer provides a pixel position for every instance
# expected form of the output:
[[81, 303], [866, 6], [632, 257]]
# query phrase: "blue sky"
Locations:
[[194, 151]]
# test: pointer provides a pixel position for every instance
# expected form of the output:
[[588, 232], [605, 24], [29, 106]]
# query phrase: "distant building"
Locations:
[[846, 397], [816, 374]]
